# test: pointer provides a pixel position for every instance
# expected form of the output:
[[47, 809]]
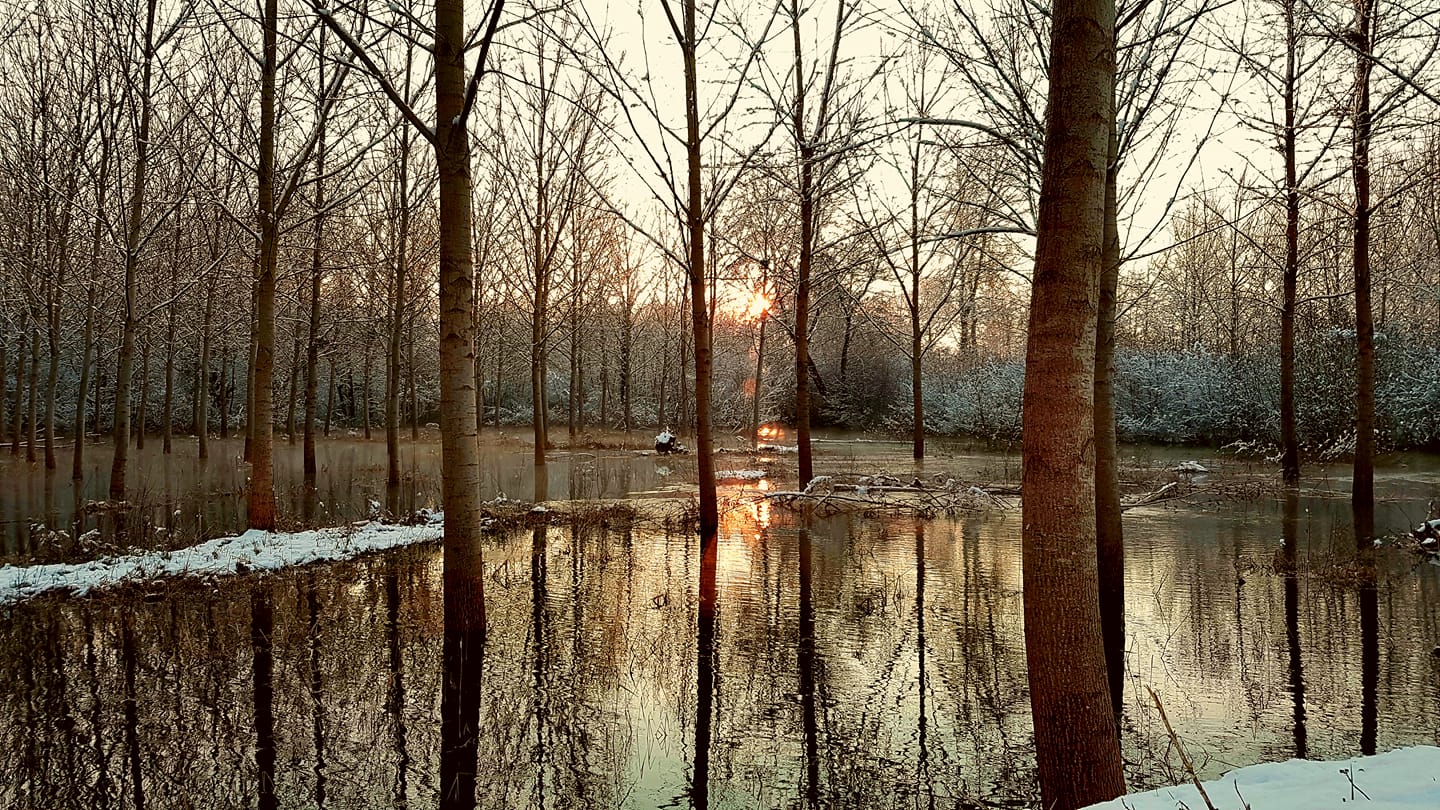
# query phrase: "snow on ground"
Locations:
[[1404, 779], [251, 551], [777, 448], [739, 475]]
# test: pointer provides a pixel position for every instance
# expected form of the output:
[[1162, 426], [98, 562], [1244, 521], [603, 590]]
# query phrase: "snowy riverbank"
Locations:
[[1404, 779], [251, 551]]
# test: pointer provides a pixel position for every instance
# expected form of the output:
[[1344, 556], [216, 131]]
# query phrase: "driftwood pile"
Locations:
[[885, 493]]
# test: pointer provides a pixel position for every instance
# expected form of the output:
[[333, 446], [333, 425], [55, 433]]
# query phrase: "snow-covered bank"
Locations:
[[1404, 779], [251, 551]]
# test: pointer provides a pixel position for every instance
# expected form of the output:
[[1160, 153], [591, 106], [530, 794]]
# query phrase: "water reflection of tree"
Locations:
[[600, 666]]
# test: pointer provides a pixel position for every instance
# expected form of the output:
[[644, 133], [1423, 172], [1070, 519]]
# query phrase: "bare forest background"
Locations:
[[582, 313]]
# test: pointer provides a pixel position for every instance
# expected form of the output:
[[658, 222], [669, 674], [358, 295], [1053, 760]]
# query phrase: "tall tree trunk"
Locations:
[[576, 398], [1362, 493], [317, 275], [1109, 536], [917, 329], [464, 570], [260, 506], [807, 258], [397, 314], [1289, 440], [1077, 749], [128, 322], [709, 516]]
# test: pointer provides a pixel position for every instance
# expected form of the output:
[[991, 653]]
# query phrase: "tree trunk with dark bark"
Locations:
[[317, 275], [709, 515], [806, 261], [1109, 536], [1362, 493], [1289, 440]]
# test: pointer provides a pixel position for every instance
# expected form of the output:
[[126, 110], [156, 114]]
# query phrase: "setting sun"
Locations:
[[757, 307]]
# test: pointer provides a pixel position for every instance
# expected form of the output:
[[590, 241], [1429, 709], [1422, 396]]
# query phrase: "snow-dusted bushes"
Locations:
[[982, 401], [1201, 397]]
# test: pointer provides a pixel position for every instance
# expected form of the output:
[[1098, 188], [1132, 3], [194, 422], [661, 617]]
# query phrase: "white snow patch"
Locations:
[[1189, 468], [777, 448], [739, 475], [252, 551], [1403, 779]]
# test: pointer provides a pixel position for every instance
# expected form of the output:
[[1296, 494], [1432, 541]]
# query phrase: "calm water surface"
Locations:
[[913, 692]]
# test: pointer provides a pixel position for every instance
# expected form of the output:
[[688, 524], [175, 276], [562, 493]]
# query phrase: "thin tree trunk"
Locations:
[[397, 315], [1289, 439], [1077, 749], [317, 275], [1362, 494], [917, 331], [709, 517], [1109, 537], [128, 322], [807, 257]]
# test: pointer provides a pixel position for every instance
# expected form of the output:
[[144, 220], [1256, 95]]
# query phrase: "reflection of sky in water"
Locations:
[[589, 689]]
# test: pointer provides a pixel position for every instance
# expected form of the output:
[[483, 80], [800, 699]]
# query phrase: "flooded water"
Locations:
[[866, 663], [188, 499]]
